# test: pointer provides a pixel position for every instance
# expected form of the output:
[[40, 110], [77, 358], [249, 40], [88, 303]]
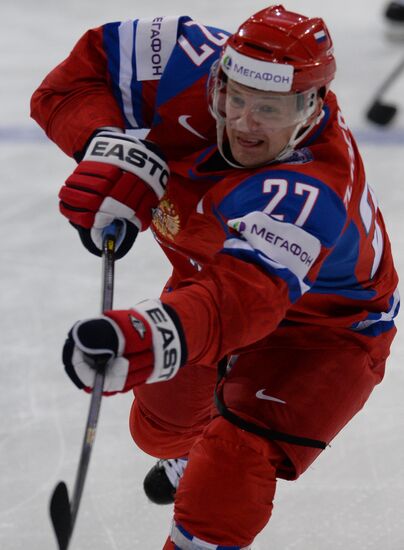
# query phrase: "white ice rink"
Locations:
[[352, 498]]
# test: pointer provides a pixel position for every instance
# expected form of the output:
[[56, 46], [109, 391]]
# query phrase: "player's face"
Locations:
[[259, 125]]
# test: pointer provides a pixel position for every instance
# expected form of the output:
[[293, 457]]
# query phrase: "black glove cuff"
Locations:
[[67, 356], [126, 245], [176, 320]]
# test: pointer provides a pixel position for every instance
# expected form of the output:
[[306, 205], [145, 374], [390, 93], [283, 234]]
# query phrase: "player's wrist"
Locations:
[[78, 155], [158, 329]]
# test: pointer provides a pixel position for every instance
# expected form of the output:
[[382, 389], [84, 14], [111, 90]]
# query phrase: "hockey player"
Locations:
[[282, 270]]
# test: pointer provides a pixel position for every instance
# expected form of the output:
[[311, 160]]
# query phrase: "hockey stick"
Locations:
[[63, 512], [383, 113]]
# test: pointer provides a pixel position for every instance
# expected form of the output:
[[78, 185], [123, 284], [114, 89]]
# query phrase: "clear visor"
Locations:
[[237, 103]]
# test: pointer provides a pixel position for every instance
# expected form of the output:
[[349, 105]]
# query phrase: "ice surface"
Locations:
[[353, 496]]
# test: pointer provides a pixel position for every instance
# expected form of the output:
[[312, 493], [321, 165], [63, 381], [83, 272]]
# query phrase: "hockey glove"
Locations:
[[120, 177], [141, 345]]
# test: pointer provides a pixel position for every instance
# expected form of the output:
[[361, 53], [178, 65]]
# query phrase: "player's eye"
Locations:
[[268, 110], [236, 101]]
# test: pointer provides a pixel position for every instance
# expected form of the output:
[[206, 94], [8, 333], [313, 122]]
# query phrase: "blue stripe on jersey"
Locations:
[[132, 108], [377, 323], [183, 531], [131, 104], [136, 87], [378, 328], [337, 274], [188, 539], [128, 93], [211, 177], [111, 47], [181, 71], [325, 221]]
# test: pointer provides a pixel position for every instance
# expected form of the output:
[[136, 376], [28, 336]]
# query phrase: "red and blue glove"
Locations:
[[120, 178], [141, 345]]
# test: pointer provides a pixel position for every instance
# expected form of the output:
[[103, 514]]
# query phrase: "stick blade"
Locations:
[[60, 514], [381, 113]]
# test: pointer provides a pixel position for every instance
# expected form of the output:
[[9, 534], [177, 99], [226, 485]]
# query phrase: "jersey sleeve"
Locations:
[[76, 97], [277, 231], [120, 74]]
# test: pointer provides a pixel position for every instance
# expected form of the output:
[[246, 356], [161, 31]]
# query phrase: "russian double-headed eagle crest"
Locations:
[[166, 219]]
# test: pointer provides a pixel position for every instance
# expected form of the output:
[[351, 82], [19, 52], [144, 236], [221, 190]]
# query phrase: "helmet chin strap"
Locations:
[[283, 154], [220, 128], [296, 138]]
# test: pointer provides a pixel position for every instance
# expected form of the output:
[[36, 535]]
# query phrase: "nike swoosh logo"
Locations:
[[261, 395], [183, 121]]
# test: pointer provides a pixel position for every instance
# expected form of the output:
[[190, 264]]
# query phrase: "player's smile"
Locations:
[[254, 149], [246, 141]]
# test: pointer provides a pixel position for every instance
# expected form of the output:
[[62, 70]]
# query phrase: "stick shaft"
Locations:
[[389, 80], [108, 265], [108, 272]]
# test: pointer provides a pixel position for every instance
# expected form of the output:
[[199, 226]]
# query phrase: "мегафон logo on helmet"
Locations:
[[227, 62]]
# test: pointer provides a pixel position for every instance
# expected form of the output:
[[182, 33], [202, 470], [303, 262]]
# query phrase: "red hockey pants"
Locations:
[[308, 382]]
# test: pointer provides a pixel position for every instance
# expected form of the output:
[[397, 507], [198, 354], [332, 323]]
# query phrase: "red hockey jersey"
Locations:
[[298, 241]]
